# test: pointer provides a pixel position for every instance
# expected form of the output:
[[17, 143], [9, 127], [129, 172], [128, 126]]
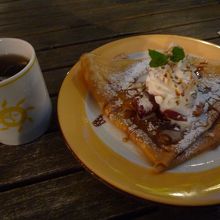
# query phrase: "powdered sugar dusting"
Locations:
[[209, 96], [121, 81]]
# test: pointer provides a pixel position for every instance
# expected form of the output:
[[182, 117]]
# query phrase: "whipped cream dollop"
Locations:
[[174, 87]]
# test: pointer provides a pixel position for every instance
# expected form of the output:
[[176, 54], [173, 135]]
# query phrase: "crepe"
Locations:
[[116, 84]]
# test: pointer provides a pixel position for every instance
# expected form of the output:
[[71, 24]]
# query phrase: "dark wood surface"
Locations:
[[42, 180]]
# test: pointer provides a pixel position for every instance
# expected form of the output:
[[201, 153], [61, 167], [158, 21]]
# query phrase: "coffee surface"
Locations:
[[11, 64]]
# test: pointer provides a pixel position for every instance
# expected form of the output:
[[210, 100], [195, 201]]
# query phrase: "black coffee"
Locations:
[[11, 64]]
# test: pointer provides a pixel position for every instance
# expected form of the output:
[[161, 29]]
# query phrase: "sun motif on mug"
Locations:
[[14, 116]]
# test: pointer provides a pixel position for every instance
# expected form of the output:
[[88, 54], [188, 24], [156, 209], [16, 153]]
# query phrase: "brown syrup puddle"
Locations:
[[99, 121]]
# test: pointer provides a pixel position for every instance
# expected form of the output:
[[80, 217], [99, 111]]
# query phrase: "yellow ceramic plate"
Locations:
[[196, 182]]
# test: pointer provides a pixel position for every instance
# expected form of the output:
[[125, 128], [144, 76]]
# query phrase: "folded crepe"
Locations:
[[118, 86]]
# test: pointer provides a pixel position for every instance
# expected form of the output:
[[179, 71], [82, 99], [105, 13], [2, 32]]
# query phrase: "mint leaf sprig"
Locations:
[[157, 58], [160, 59], [177, 54]]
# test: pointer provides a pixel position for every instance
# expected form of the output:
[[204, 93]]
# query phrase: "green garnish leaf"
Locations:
[[177, 54], [157, 58]]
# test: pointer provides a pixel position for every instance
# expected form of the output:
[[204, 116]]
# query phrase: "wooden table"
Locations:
[[42, 180]]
